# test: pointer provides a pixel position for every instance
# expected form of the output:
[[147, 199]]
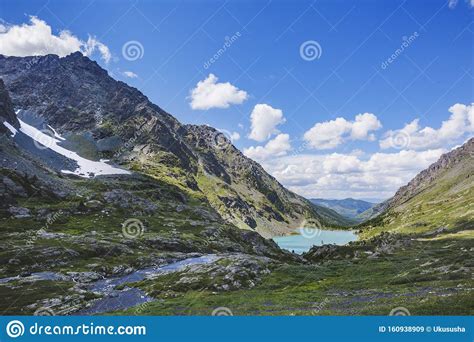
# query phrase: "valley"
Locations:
[[109, 205]]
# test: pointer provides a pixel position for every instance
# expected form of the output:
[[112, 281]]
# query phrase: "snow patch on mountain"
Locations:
[[12, 129], [86, 168]]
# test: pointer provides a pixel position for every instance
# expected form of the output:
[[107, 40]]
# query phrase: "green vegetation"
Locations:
[[447, 202], [428, 278]]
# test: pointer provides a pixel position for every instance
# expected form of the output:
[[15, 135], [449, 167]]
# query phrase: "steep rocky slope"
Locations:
[[7, 113], [440, 197], [100, 117]]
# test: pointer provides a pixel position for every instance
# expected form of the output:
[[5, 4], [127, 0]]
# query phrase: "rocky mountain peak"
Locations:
[[73, 93], [109, 119]]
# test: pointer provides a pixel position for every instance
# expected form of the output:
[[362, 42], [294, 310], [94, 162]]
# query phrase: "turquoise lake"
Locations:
[[312, 237]]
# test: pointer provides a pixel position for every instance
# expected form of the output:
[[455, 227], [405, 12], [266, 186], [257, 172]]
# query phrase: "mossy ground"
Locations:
[[433, 276], [429, 278]]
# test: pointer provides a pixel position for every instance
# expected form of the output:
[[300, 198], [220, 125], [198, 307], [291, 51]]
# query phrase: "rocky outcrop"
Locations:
[[376, 247], [6, 109]]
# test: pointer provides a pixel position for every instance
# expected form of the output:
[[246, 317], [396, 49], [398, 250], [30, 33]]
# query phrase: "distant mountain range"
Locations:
[[349, 207]]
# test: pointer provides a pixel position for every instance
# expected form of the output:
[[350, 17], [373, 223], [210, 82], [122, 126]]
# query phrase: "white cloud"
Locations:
[[358, 174], [364, 123], [130, 74], [458, 125], [37, 39], [330, 134], [327, 134], [347, 175], [232, 136], [453, 3], [279, 146], [210, 94], [235, 136], [93, 45], [340, 163], [265, 119]]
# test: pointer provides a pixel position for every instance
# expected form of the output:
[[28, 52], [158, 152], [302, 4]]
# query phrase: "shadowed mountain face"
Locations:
[[101, 118], [7, 114], [440, 197], [349, 207]]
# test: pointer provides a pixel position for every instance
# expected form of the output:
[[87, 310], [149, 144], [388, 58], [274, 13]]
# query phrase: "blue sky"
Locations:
[[336, 159]]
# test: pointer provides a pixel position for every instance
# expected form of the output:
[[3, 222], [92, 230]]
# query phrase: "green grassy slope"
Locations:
[[442, 199]]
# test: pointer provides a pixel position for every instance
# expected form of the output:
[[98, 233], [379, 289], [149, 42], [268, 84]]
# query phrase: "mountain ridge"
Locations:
[[105, 118], [439, 197]]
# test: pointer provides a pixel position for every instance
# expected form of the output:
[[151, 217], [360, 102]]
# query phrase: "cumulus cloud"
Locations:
[[453, 3], [93, 45], [130, 74], [279, 146], [330, 134], [235, 136], [459, 125], [210, 94], [347, 175], [232, 136], [264, 120], [37, 38]]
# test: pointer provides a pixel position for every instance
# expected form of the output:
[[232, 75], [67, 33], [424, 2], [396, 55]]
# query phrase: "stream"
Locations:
[[128, 297], [113, 298]]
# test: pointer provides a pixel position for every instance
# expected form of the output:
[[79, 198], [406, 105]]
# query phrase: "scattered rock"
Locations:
[[19, 212], [94, 204]]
